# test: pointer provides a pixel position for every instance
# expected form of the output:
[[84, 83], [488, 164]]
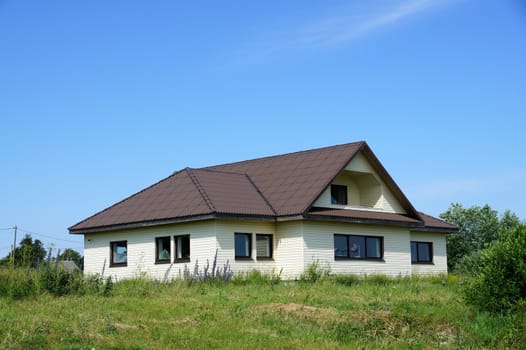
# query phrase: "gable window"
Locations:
[[243, 245], [358, 247], [421, 252], [339, 194], [118, 254], [182, 248], [264, 246], [162, 250]]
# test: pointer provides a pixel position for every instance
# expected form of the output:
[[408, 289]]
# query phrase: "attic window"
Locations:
[[339, 194]]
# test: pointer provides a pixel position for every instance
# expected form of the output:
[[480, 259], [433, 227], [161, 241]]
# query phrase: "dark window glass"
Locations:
[[374, 247], [358, 247], [421, 252], [182, 248], [162, 250], [341, 246], [243, 245], [118, 253], [338, 194], [264, 246], [414, 252]]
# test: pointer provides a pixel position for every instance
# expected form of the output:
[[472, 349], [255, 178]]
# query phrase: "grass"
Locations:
[[335, 312]]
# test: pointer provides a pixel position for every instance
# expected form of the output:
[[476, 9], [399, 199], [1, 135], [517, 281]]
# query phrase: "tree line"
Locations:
[[30, 253]]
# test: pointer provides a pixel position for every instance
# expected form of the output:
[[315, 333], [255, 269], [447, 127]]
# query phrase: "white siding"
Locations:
[[374, 195], [289, 249], [439, 264], [225, 231], [390, 202], [359, 163], [319, 245], [141, 250]]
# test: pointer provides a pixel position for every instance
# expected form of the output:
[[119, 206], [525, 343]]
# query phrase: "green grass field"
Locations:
[[375, 313]]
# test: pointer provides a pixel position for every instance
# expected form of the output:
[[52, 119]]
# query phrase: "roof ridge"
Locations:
[[282, 155], [127, 198], [201, 189], [218, 171], [262, 195]]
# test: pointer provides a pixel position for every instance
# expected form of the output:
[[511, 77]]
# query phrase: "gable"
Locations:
[[292, 185], [291, 182], [366, 189]]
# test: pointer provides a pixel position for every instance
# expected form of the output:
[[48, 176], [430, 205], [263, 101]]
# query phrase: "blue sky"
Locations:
[[100, 99]]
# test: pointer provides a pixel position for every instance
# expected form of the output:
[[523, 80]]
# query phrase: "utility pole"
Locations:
[[14, 246]]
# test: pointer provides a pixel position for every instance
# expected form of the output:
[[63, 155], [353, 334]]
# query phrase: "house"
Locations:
[[335, 205]]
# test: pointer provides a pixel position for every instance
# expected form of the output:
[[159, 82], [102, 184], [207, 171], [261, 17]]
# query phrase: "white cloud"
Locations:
[[350, 23], [340, 29]]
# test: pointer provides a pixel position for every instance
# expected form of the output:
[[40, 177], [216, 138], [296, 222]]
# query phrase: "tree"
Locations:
[[27, 253], [501, 283], [73, 255], [478, 226]]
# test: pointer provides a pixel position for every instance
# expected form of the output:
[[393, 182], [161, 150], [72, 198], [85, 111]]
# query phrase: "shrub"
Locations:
[[501, 283], [470, 265], [314, 272]]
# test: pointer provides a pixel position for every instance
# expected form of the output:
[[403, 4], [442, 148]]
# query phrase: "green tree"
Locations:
[[478, 226], [501, 283], [509, 220], [27, 253], [73, 255]]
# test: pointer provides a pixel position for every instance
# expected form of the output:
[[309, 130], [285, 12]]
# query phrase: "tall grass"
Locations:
[[254, 312]]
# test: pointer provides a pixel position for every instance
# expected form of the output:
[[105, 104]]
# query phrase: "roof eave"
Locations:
[[362, 220], [142, 224], [431, 229]]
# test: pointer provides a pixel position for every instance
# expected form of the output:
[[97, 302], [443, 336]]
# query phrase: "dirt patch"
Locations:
[[306, 311]]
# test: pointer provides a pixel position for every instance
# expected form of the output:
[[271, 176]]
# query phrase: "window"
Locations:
[[264, 246], [421, 252], [118, 254], [162, 250], [358, 247], [182, 248], [243, 245], [338, 194]]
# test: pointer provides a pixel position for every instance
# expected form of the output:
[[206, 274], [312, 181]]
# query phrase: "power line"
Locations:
[[39, 234]]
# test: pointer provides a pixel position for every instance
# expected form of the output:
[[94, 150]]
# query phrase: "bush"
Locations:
[[470, 265], [501, 282], [314, 272]]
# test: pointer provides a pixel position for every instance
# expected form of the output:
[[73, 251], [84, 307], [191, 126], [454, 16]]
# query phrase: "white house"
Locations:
[[336, 205]]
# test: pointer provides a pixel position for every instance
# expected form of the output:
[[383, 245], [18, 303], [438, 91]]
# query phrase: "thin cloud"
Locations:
[[340, 29], [351, 23]]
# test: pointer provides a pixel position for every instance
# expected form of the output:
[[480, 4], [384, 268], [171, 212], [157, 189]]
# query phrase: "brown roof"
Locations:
[[432, 223], [277, 186], [365, 216]]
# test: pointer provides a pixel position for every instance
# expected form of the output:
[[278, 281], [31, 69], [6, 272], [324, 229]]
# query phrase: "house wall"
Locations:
[[439, 264], [319, 245], [225, 231], [141, 250], [296, 244], [289, 255]]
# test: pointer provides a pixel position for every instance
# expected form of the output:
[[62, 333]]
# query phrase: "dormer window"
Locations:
[[339, 194]]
